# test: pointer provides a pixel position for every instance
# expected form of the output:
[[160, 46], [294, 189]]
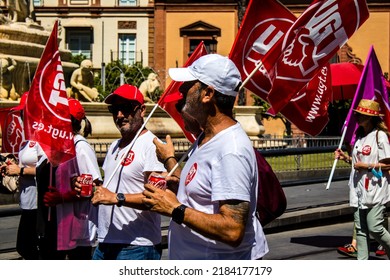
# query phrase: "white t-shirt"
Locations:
[[224, 168], [124, 224], [86, 158], [366, 190], [29, 155]]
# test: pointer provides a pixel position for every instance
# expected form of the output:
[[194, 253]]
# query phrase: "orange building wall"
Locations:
[[375, 31], [227, 22]]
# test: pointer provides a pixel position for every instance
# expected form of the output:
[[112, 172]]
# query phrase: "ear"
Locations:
[[207, 94], [143, 110]]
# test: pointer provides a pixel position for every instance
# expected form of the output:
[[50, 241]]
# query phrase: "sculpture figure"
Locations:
[[82, 85], [7, 87], [21, 10], [149, 86]]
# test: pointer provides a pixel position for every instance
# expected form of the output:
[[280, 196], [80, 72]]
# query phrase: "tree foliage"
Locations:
[[78, 58], [132, 74]]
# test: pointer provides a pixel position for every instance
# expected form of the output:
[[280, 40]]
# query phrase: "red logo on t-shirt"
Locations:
[[366, 150], [31, 144], [191, 174], [129, 159]]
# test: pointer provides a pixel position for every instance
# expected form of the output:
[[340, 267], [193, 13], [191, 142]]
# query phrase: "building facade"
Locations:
[[162, 33]]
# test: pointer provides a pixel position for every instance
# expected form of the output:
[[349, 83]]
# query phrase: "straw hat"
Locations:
[[369, 108]]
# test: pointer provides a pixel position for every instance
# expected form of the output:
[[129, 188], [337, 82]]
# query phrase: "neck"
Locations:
[[368, 128], [126, 139], [215, 125]]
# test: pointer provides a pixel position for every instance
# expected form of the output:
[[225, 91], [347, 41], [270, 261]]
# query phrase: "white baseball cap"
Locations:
[[213, 70]]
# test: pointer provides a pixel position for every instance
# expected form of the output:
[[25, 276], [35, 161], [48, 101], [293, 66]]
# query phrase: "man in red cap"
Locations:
[[126, 230]]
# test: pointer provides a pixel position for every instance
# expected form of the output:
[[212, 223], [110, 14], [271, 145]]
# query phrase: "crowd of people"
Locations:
[[211, 199]]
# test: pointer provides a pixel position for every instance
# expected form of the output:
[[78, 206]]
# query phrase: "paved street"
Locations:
[[316, 222], [313, 243]]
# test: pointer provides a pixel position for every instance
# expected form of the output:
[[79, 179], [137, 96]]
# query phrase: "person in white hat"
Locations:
[[213, 214], [368, 183]]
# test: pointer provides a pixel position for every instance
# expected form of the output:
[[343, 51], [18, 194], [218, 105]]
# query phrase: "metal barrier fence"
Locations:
[[283, 154]]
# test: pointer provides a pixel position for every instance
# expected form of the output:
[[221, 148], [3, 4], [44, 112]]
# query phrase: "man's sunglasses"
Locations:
[[124, 108]]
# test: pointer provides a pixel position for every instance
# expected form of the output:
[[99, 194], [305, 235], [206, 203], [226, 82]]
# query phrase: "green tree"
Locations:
[[132, 74], [78, 58]]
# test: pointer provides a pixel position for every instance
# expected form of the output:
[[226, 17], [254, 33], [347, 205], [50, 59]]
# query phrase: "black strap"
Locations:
[[79, 141]]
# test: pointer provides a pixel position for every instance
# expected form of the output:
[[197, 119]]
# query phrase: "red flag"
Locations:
[[12, 135], [308, 109], [172, 94], [47, 117], [264, 25], [310, 43], [371, 86]]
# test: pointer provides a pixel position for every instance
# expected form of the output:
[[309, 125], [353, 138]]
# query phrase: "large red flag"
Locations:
[[47, 116], [264, 24], [258, 42], [310, 43], [172, 94], [12, 135]]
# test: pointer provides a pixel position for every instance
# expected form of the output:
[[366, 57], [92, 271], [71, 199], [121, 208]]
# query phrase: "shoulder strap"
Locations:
[[377, 141], [79, 141]]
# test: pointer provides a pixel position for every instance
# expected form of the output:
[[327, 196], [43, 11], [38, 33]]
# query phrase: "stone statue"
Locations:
[[7, 87], [149, 86], [21, 10], [82, 85]]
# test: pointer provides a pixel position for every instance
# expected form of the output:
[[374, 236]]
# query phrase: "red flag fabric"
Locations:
[[264, 25], [310, 43], [371, 86], [308, 109], [47, 116], [12, 136], [172, 94]]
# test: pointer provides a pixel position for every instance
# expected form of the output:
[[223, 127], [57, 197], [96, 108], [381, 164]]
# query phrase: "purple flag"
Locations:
[[371, 86]]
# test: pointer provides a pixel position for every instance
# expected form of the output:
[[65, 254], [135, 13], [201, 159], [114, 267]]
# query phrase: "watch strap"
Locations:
[[121, 199], [178, 214]]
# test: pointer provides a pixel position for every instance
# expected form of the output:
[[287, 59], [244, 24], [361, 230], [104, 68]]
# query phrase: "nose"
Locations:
[[120, 114]]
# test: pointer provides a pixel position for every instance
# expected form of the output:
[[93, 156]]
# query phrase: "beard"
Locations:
[[129, 127]]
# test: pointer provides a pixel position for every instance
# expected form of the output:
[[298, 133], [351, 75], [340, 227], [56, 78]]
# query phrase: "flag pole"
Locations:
[[181, 159], [251, 75], [335, 161], [128, 148]]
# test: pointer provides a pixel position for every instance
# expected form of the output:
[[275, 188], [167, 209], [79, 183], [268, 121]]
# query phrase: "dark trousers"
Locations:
[[27, 238]]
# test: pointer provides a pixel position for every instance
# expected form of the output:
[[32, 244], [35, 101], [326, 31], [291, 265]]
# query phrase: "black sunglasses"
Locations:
[[124, 108]]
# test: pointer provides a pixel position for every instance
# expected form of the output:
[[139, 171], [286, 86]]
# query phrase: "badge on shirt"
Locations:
[[191, 174], [129, 159], [366, 150]]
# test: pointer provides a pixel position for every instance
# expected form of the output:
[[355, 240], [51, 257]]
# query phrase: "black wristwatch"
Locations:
[[178, 214], [121, 199]]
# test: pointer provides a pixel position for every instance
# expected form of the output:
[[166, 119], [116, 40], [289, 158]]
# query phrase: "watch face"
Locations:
[[120, 197]]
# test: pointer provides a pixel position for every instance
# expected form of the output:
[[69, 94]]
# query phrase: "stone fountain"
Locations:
[[21, 46]]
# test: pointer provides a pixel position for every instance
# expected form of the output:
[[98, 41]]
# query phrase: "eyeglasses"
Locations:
[[124, 108]]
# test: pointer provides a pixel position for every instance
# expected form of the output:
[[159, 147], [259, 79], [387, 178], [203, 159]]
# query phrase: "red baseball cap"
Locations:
[[126, 91], [76, 110], [22, 102]]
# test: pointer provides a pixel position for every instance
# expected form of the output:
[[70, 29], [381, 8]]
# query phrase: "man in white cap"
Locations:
[[126, 230], [213, 213]]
